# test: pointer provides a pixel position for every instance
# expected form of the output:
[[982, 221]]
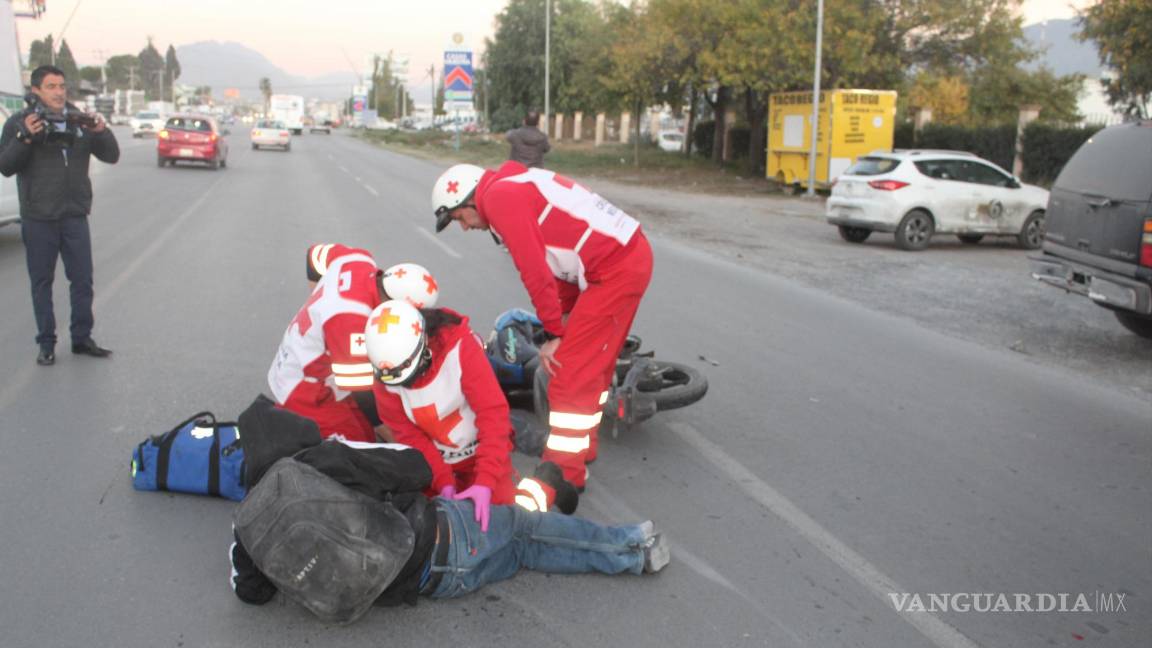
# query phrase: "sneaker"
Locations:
[[657, 554]]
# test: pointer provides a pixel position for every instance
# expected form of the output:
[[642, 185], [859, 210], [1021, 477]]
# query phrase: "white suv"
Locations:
[[146, 123], [916, 194]]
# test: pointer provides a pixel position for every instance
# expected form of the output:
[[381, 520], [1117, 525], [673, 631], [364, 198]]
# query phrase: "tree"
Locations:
[[945, 95], [93, 74], [998, 92], [67, 64], [123, 72], [1122, 31], [152, 72], [266, 91], [40, 52], [171, 69]]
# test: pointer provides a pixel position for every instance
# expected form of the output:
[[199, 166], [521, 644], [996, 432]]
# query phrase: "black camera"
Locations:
[[59, 128]]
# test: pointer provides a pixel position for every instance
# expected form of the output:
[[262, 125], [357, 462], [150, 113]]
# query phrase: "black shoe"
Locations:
[[46, 357], [89, 347], [567, 498]]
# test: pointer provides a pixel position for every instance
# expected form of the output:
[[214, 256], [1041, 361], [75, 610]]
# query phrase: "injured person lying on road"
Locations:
[[341, 526]]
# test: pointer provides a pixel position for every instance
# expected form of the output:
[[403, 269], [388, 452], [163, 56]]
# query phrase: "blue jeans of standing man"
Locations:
[[546, 542], [44, 243]]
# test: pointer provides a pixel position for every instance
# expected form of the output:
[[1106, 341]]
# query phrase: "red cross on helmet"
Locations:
[[396, 341], [452, 189], [412, 283]]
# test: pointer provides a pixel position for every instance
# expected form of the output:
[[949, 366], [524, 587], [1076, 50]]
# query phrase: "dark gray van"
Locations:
[[1098, 241]]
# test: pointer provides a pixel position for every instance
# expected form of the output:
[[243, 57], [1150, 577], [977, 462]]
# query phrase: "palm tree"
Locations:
[[266, 90]]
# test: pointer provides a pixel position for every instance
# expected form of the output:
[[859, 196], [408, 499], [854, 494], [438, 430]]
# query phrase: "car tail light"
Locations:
[[212, 137], [284, 133], [163, 134], [1146, 245], [887, 185]]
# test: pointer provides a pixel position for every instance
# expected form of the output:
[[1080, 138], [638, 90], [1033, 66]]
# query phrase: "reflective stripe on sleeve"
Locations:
[[535, 499], [583, 239], [604, 397], [353, 381], [544, 214], [570, 421], [320, 257], [570, 445], [349, 369]]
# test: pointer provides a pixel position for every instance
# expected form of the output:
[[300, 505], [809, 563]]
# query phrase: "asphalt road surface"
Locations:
[[843, 458]]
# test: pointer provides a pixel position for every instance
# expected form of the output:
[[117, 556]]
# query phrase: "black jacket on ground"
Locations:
[[52, 180], [385, 472]]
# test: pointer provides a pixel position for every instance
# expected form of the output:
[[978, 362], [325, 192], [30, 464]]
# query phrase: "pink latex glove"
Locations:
[[481, 497], [448, 492]]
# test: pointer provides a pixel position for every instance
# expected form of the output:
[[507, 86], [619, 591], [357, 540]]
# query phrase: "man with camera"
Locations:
[[47, 147]]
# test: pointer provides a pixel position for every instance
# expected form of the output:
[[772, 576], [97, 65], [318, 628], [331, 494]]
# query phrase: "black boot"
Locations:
[[46, 357], [566, 496]]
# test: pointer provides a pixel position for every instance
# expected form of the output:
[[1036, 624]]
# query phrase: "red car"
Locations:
[[191, 138]]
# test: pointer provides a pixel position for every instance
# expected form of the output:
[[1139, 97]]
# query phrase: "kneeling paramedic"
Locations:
[[415, 546], [585, 264], [321, 369], [436, 391]]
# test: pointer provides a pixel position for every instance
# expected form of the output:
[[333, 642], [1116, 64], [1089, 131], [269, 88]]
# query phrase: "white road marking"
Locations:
[[344, 169], [879, 584], [444, 246], [371, 190]]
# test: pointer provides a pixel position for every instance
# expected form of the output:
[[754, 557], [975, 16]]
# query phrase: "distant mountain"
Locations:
[[233, 65], [1060, 50]]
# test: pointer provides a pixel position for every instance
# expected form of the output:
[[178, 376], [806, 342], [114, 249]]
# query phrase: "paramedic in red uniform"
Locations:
[[321, 369], [436, 391], [585, 264]]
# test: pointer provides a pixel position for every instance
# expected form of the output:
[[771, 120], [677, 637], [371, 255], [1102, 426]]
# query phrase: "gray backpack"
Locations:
[[325, 546]]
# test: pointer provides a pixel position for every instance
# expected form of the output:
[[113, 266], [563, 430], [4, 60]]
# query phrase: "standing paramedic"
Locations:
[[585, 264], [47, 148]]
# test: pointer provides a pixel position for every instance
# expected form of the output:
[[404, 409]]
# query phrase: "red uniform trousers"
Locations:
[[336, 418], [594, 334]]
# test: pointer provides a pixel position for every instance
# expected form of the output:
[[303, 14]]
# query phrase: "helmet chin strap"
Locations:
[[380, 292], [421, 367]]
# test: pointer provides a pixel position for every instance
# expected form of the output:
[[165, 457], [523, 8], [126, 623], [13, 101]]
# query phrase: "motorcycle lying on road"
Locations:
[[642, 386]]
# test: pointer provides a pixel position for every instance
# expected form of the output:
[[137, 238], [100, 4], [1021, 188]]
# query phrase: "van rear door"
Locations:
[[1102, 196]]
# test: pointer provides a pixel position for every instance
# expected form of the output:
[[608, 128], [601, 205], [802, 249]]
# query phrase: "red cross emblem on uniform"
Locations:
[[384, 319], [303, 319], [428, 419], [428, 279], [453, 186]]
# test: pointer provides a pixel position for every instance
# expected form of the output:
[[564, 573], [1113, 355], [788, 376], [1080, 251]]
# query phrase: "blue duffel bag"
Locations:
[[200, 456]]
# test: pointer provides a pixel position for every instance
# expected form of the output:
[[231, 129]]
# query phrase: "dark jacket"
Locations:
[[53, 180], [529, 144], [384, 471]]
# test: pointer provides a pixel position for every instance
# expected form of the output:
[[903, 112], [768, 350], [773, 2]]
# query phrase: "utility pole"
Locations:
[[816, 100], [132, 78], [103, 70], [432, 87], [547, 66]]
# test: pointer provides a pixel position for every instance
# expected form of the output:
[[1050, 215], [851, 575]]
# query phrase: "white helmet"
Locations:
[[410, 282], [396, 341], [452, 188]]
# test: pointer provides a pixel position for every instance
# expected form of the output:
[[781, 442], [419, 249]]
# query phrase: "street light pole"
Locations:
[[816, 99], [547, 66]]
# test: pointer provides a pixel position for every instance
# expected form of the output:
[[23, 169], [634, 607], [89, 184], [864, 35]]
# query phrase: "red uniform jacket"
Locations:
[[455, 414], [561, 236]]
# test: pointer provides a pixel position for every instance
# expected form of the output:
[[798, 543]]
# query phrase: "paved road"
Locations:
[[841, 455]]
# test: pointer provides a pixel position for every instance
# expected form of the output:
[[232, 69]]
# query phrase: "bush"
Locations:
[[905, 136], [995, 143], [740, 136], [1048, 148]]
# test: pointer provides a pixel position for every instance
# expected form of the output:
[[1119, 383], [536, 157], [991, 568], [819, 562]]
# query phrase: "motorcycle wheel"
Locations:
[[672, 385]]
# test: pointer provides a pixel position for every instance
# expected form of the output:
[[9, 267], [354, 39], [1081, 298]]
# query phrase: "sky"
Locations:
[[305, 38]]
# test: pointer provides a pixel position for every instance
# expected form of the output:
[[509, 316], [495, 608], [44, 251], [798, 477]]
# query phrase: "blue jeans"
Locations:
[[546, 542], [44, 243]]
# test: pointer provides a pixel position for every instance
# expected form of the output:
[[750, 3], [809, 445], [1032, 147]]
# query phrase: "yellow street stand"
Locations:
[[852, 123]]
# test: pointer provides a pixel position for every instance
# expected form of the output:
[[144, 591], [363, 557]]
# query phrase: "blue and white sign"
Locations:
[[458, 76]]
